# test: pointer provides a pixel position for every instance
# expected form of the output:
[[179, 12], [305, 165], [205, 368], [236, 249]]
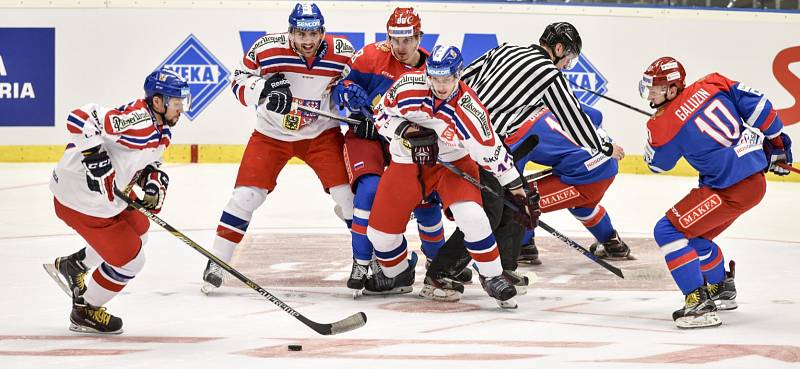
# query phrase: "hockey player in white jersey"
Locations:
[[280, 70], [431, 116], [112, 147]]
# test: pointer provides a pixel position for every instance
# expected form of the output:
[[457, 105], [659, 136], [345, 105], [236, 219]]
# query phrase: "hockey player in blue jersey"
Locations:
[[731, 135], [579, 179], [374, 69]]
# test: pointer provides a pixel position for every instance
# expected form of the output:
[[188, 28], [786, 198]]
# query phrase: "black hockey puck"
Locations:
[[295, 348]]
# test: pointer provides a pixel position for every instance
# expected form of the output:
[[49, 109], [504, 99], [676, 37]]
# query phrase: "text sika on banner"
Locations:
[[27, 76]]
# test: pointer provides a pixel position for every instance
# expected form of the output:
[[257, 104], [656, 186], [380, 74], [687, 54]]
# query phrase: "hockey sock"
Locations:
[[366, 186], [527, 238], [107, 280], [596, 220], [236, 218], [478, 237], [681, 258], [429, 225], [712, 262], [391, 250]]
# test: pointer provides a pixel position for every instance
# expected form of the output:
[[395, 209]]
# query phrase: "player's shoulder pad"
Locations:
[[717, 80], [369, 55], [269, 41], [340, 46], [474, 111], [132, 116], [662, 128]]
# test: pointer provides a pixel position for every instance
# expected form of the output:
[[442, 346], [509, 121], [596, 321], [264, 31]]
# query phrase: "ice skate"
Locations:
[[86, 318], [699, 311], [441, 289], [358, 276], [724, 293], [529, 254], [69, 273], [213, 277], [519, 281], [501, 289], [613, 249], [379, 284]]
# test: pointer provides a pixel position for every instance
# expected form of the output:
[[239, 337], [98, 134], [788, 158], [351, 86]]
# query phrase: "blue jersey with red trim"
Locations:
[[374, 68], [572, 163], [718, 125]]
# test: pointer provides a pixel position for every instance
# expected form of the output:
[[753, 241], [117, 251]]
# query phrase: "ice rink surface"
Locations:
[[576, 315]]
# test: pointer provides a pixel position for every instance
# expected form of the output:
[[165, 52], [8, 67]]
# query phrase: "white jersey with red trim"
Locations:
[[129, 134], [461, 122], [310, 83]]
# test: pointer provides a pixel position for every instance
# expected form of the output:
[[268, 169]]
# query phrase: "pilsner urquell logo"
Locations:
[[207, 77]]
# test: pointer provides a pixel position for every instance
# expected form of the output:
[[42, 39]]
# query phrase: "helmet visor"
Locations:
[[183, 102]]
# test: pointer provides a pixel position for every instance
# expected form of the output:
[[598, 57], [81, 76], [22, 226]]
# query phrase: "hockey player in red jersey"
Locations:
[[112, 147], [374, 69], [278, 71], [731, 135], [431, 116]]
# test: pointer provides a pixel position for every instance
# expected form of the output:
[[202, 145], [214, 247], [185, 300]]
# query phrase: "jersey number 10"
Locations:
[[724, 126]]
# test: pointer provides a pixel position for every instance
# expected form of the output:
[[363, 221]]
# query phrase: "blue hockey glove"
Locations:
[[778, 150], [350, 95]]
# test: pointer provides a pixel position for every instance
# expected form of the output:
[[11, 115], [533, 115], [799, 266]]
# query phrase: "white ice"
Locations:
[[169, 323]]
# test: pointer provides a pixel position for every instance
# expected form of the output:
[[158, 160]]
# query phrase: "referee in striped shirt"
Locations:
[[513, 82]]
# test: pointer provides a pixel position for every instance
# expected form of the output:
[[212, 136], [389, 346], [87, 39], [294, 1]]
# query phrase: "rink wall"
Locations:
[[58, 55]]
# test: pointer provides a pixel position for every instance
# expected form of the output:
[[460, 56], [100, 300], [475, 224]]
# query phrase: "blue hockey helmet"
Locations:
[[307, 17], [167, 83], [444, 61]]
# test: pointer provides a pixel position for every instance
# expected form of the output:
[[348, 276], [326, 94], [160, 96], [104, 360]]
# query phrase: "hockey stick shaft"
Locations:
[[789, 168], [543, 225], [325, 114], [352, 322], [611, 99]]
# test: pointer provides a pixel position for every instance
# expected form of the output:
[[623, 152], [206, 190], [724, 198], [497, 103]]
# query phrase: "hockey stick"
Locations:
[[347, 324], [611, 99], [789, 168], [642, 274], [308, 109], [538, 175]]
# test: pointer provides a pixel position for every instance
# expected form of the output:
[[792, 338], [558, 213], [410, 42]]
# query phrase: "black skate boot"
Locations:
[[379, 284], [699, 311], [613, 249], [358, 275], [86, 318], [501, 289], [213, 277], [519, 281], [441, 288], [465, 276], [724, 293], [70, 273], [529, 254]]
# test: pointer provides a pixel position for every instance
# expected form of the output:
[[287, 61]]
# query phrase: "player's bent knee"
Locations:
[[248, 198], [144, 238], [664, 232], [134, 266], [470, 216], [383, 241]]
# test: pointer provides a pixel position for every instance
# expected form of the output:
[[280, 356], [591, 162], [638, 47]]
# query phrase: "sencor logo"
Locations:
[[207, 77]]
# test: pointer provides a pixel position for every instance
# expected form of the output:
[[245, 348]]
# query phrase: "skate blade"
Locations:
[[438, 294], [86, 330], [507, 304], [726, 305], [521, 290], [393, 291], [530, 261], [356, 294], [53, 273], [706, 320]]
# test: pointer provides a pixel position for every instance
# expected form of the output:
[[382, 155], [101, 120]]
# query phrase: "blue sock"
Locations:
[[429, 225], [596, 220], [527, 239], [366, 186], [712, 263], [682, 260]]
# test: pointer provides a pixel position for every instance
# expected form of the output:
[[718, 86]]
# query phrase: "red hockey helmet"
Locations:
[[664, 71], [404, 22]]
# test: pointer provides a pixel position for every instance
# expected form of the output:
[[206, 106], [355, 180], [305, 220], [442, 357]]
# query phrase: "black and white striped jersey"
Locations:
[[513, 81]]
